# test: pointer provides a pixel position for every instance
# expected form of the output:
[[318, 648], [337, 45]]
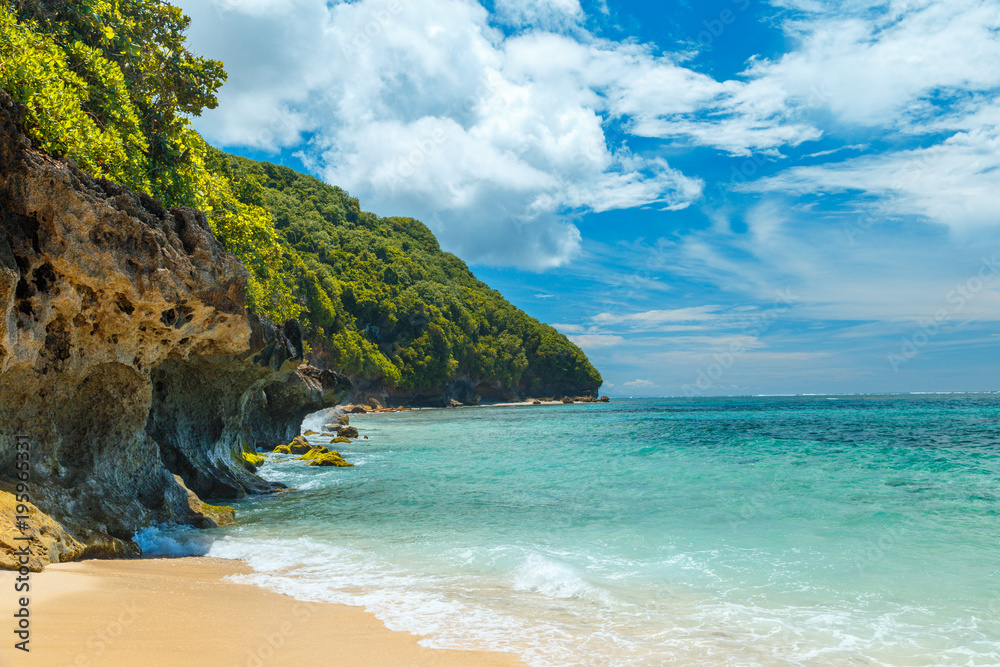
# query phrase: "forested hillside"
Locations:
[[111, 85], [381, 299]]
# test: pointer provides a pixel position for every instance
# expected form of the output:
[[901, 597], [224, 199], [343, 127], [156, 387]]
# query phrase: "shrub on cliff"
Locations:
[[110, 85]]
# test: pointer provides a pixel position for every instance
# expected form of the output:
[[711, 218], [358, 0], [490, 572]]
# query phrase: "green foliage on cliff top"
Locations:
[[109, 84], [383, 299]]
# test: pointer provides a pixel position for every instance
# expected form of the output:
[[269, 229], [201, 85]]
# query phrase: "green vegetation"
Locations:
[[383, 300], [109, 84]]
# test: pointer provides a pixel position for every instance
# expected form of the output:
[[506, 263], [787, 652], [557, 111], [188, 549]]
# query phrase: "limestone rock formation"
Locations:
[[127, 354], [46, 540]]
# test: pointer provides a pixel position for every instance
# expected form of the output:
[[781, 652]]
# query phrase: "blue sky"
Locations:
[[721, 197]]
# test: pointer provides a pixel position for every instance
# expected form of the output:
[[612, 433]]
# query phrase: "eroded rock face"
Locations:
[[127, 353], [98, 285]]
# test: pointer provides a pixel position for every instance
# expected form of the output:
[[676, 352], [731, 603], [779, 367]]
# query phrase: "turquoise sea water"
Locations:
[[736, 531]]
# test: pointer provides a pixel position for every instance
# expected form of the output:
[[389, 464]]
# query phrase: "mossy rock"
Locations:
[[348, 432], [299, 445], [324, 434], [315, 453], [253, 458], [309, 433], [220, 514], [343, 420], [282, 449], [331, 459], [340, 441]]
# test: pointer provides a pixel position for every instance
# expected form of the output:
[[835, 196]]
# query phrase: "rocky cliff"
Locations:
[[127, 355]]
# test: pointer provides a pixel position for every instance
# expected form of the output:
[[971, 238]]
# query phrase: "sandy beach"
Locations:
[[183, 612]]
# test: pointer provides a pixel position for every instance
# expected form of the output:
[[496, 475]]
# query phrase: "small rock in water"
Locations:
[[299, 445]]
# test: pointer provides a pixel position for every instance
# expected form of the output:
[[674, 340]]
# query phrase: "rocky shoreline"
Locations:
[[130, 369], [133, 379]]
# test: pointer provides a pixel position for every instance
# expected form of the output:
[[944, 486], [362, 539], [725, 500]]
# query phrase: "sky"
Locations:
[[722, 197]]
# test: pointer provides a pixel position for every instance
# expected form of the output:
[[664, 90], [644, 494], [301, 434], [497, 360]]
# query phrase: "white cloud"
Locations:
[[497, 143], [596, 341], [655, 318], [953, 183], [640, 384], [550, 14], [879, 63]]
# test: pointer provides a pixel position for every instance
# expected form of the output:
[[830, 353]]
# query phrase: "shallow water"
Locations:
[[738, 531]]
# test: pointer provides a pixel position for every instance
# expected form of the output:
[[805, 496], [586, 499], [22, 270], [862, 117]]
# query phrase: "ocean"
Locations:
[[806, 530]]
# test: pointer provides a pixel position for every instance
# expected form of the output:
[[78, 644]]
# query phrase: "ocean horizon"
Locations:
[[731, 530]]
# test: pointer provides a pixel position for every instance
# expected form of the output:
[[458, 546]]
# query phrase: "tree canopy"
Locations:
[[110, 84], [382, 299]]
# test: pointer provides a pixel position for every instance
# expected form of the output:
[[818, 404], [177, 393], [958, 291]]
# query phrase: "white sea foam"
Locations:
[[172, 541], [569, 561], [539, 574], [318, 420]]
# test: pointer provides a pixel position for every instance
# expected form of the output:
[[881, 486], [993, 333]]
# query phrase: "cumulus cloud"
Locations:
[[496, 141], [494, 128]]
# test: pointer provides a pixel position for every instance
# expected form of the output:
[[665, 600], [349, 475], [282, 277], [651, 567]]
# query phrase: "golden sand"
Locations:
[[182, 612]]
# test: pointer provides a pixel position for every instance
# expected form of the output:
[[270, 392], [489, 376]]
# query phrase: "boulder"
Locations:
[[340, 441], [605, 399], [299, 445], [252, 460], [357, 410], [214, 515], [348, 432], [567, 400], [315, 453], [343, 420], [374, 404], [536, 402], [282, 449], [309, 433], [331, 459], [48, 540]]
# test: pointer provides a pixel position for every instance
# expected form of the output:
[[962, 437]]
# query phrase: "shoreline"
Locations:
[[170, 611]]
